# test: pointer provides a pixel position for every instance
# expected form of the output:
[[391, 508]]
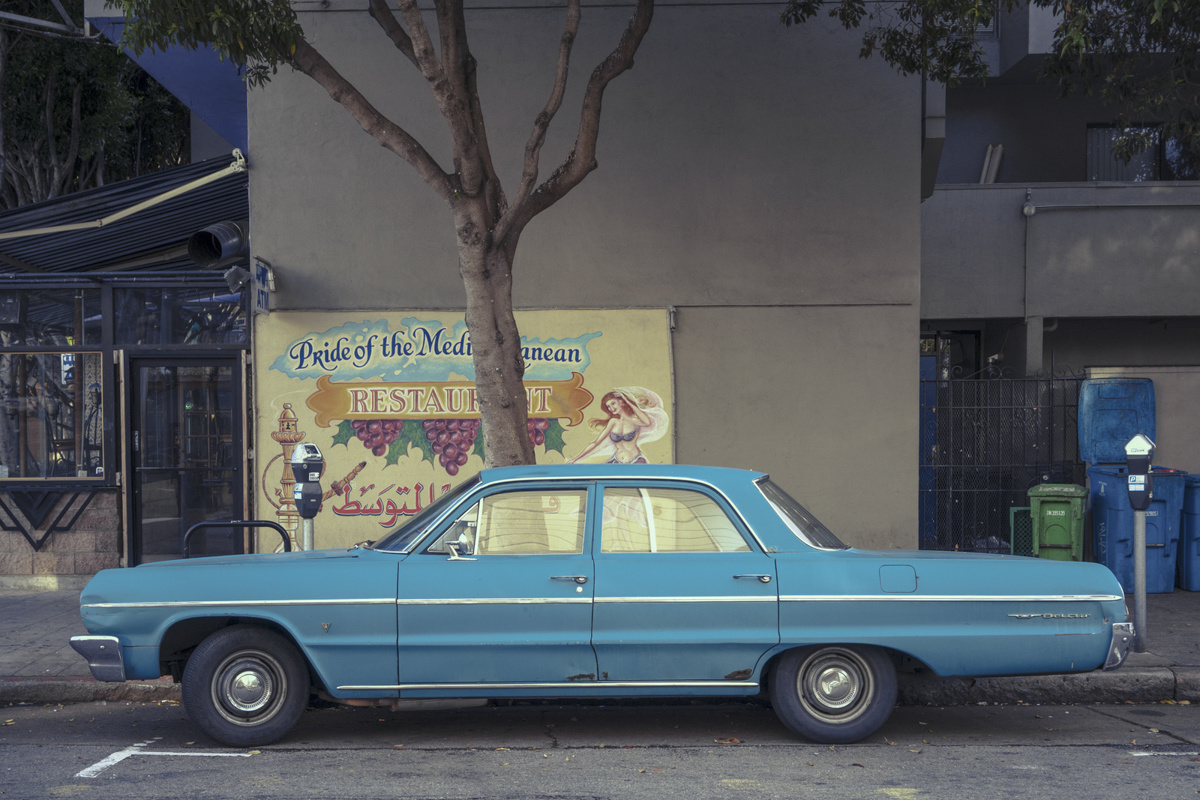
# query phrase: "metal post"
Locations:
[[306, 533], [1139, 581]]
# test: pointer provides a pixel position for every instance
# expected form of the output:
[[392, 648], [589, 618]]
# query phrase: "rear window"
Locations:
[[804, 525]]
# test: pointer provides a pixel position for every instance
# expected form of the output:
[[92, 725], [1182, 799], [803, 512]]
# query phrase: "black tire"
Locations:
[[834, 694], [245, 686]]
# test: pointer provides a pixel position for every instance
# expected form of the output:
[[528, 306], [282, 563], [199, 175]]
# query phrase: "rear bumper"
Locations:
[[1118, 648], [104, 656]]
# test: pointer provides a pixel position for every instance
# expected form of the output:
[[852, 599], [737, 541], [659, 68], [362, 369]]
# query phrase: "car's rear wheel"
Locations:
[[834, 694], [245, 686]]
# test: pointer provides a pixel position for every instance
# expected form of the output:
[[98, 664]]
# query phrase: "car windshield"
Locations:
[[400, 539], [804, 525]]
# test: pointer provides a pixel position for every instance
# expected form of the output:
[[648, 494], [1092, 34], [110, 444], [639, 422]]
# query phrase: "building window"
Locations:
[[52, 423], [51, 411], [177, 315], [1161, 160], [49, 317]]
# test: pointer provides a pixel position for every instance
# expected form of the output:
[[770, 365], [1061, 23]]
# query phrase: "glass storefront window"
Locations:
[[51, 415], [49, 317], [178, 315]]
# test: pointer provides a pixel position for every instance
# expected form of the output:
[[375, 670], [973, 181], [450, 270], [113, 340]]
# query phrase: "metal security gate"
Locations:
[[985, 441]]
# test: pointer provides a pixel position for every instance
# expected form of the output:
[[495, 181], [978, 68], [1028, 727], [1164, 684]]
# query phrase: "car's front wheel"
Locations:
[[834, 694], [245, 686]]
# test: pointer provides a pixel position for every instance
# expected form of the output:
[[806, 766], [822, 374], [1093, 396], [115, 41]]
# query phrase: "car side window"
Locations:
[[548, 521], [656, 520]]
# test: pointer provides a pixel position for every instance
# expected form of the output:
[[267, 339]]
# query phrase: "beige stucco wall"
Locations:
[[763, 181], [820, 406]]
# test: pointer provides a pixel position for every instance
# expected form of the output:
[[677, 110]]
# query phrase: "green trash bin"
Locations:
[[1056, 510]]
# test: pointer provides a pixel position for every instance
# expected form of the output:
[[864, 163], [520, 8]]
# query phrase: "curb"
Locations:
[[85, 690], [1137, 685], [1146, 685]]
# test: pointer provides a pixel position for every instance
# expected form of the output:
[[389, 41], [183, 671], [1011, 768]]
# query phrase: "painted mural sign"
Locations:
[[390, 401]]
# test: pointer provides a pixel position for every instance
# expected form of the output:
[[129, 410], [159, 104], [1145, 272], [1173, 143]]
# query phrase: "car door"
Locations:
[[682, 592], [502, 596]]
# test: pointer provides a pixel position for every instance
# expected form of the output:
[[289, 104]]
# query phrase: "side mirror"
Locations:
[[455, 552], [463, 545]]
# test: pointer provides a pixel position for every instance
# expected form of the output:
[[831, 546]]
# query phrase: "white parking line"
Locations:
[[1164, 754], [136, 750]]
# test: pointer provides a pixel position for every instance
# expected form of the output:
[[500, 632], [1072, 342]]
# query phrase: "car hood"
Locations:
[[312, 574], [256, 559]]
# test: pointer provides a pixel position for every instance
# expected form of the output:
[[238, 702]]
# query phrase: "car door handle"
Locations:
[[580, 579], [759, 578]]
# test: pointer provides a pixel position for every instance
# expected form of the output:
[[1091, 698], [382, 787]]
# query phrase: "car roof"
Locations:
[[619, 471]]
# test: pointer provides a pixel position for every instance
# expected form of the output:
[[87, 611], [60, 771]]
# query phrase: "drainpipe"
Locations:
[[1034, 326]]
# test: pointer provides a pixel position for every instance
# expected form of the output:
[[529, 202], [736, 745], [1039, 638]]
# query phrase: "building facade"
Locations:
[[744, 265], [769, 214], [1046, 261], [122, 374]]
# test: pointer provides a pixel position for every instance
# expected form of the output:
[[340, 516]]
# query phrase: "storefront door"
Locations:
[[186, 446]]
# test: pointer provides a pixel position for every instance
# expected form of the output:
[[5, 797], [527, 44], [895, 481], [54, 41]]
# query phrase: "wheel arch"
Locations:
[[183, 636], [904, 662]]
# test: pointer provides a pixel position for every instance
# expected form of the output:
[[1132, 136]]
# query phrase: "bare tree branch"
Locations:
[[582, 158], [449, 40], [537, 138], [394, 30], [450, 99], [383, 130], [493, 191]]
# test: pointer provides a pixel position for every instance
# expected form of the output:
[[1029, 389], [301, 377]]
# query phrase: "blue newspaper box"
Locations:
[[1113, 522], [1189, 536]]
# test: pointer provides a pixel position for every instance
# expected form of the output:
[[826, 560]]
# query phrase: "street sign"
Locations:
[[260, 289]]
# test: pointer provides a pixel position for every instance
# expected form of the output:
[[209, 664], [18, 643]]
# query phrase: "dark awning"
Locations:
[[134, 225]]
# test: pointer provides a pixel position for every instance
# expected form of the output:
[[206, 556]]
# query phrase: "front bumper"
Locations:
[[1118, 648], [104, 656]]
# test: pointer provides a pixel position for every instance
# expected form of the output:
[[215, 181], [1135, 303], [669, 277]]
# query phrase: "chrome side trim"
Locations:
[[426, 601], [948, 598], [366, 601], [556, 685], [770, 598], [490, 601], [104, 656], [788, 598], [478, 601]]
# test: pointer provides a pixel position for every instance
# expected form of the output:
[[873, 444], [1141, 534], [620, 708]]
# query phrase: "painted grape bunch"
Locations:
[[452, 440], [377, 434], [537, 431]]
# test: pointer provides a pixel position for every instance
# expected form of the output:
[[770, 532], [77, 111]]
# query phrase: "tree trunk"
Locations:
[[486, 269]]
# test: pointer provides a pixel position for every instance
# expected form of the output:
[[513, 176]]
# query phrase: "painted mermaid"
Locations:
[[635, 416]]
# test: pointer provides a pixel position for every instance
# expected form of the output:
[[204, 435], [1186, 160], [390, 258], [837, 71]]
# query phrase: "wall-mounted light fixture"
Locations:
[[236, 278]]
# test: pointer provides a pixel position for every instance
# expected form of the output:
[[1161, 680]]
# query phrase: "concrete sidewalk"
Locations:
[[38, 665]]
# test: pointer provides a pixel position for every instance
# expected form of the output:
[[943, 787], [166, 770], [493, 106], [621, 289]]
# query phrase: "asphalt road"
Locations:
[[661, 752]]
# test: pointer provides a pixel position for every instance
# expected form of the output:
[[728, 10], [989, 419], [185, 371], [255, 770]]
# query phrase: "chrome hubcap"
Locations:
[[835, 685], [247, 685], [247, 690]]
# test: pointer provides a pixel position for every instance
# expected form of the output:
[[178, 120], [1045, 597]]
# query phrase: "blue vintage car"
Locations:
[[594, 581]]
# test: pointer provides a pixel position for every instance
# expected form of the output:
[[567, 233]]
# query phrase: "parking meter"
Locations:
[[307, 466], [1138, 453]]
